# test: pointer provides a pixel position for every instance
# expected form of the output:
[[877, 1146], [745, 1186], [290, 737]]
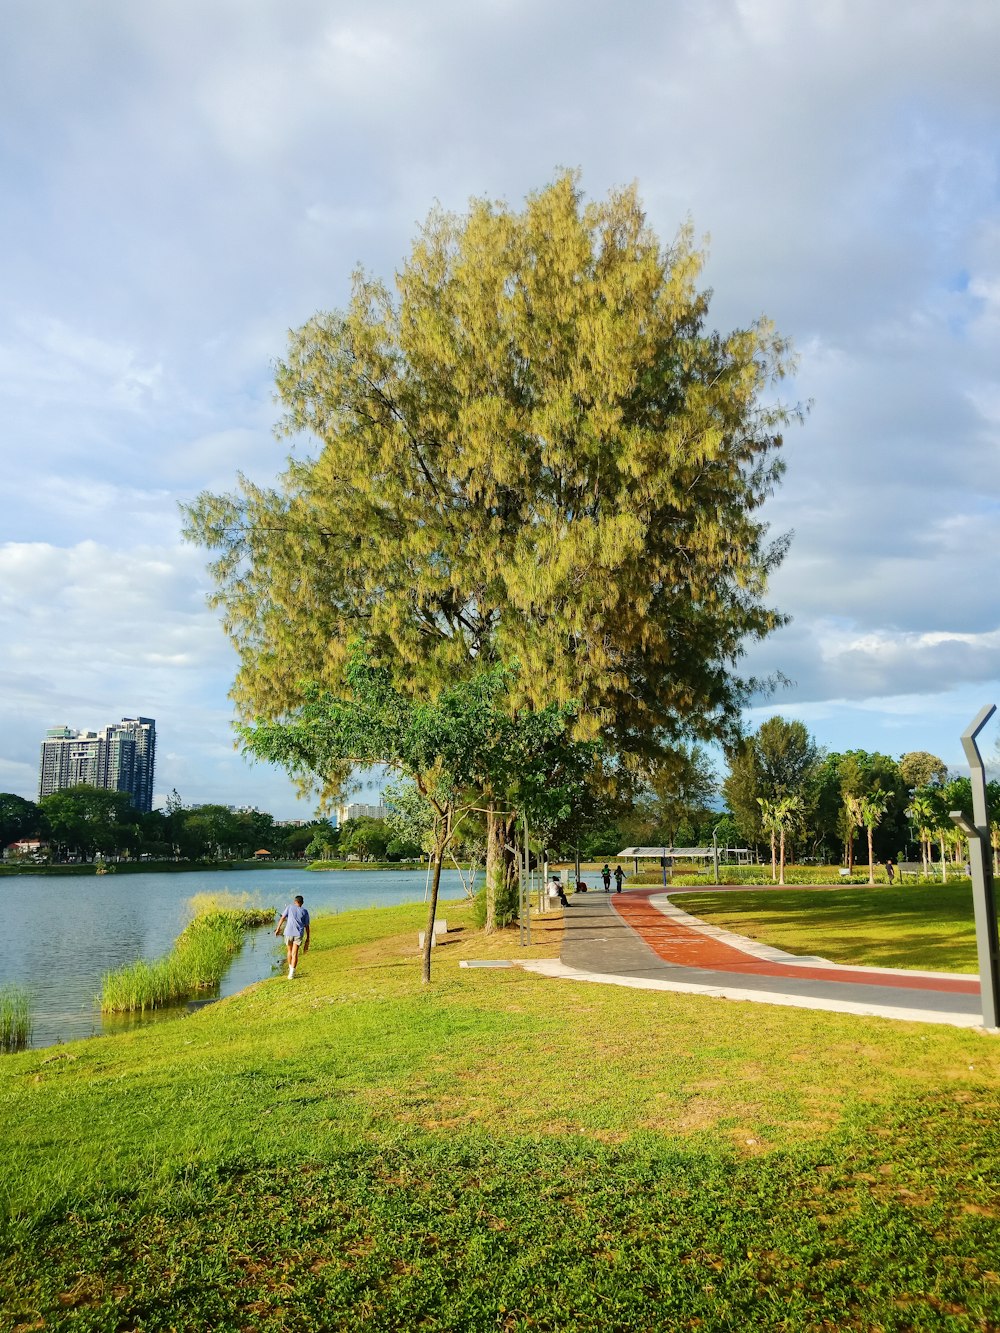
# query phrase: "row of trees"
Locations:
[[781, 788], [83, 822]]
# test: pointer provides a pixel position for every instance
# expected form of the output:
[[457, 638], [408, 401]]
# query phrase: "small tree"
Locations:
[[450, 747]]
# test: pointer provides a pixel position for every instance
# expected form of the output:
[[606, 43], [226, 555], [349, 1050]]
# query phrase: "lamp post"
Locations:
[[977, 830]]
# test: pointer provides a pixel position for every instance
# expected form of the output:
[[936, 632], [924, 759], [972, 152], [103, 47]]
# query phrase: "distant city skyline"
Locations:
[[119, 757]]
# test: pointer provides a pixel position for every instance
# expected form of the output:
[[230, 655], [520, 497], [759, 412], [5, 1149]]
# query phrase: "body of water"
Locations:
[[65, 931]]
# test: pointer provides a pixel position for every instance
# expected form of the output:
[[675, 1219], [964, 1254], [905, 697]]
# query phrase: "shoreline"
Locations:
[[183, 867]]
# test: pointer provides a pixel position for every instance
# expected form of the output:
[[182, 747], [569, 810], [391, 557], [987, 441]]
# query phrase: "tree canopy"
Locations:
[[91, 819], [779, 760], [532, 449], [18, 818]]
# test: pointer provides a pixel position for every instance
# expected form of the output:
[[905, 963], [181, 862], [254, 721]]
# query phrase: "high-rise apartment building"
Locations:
[[122, 757], [358, 810]]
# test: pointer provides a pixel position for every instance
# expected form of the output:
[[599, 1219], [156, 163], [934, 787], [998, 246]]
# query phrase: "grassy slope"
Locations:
[[352, 1151], [930, 927]]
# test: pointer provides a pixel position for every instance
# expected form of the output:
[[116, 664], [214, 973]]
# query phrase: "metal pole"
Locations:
[[520, 886], [983, 893], [526, 881]]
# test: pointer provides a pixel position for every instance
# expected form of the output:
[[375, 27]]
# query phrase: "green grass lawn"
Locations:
[[354, 1151], [929, 927]]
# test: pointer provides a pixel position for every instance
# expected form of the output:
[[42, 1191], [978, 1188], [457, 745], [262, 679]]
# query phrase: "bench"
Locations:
[[440, 928]]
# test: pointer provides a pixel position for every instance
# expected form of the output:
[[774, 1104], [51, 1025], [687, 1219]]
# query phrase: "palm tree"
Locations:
[[777, 817], [769, 823], [873, 807], [923, 811], [852, 818], [785, 812], [868, 810]]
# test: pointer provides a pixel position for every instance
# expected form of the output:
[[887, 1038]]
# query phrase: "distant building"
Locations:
[[122, 757], [31, 848], [359, 811]]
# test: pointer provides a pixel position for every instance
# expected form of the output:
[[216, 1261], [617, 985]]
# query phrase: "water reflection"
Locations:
[[64, 933]]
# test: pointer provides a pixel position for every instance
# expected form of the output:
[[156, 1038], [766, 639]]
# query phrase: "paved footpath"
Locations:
[[640, 938]]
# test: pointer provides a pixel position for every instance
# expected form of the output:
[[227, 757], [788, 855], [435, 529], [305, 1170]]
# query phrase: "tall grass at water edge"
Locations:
[[197, 962], [15, 1018]]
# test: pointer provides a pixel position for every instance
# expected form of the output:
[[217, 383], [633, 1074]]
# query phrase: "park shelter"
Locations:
[[741, 856]]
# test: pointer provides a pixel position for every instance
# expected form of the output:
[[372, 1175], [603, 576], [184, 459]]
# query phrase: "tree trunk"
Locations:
[[944, 862], [431, 913], [871, 859], [774, 873], [443, 838], [781, 877], [500, 869]]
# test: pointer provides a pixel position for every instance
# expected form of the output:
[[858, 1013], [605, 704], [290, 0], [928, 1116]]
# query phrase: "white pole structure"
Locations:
[[980, 861]]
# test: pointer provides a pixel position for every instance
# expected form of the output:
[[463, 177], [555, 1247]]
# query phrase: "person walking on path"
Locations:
[[606, 876], [295, 919], [619, 876], [890, 870]]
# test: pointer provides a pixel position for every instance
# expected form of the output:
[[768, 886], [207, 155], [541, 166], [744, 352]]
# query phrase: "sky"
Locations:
[[183, 181]]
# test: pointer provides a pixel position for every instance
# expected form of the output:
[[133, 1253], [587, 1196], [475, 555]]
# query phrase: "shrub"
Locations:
[[15, 1018]]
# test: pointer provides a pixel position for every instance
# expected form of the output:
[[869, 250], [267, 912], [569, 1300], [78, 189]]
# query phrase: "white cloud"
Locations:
[[185, 179]]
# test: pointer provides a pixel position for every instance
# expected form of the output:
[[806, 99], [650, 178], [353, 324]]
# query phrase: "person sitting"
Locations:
[[581, 886]]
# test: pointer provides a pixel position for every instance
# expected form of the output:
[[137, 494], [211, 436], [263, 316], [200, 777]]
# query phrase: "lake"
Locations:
[[64, 932]]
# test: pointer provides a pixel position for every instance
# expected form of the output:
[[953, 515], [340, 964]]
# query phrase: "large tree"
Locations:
[[779, 760], [18, 818], [920, 769], [678, 795], [86, 820], [533, 449]]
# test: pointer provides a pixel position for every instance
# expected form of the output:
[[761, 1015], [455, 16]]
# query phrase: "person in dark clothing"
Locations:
[[606, 876], [619, 876], [890, 870]]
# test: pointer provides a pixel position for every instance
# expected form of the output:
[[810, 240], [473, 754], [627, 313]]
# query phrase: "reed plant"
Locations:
[[197, 962], [246, 905], [15, 1018]]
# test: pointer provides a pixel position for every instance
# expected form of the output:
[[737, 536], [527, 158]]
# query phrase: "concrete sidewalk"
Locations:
[[640, 939]]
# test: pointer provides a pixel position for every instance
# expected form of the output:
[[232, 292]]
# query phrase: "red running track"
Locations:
[[679, 944]]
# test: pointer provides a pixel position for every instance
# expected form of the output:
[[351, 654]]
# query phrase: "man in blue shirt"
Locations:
[[295, 919]]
